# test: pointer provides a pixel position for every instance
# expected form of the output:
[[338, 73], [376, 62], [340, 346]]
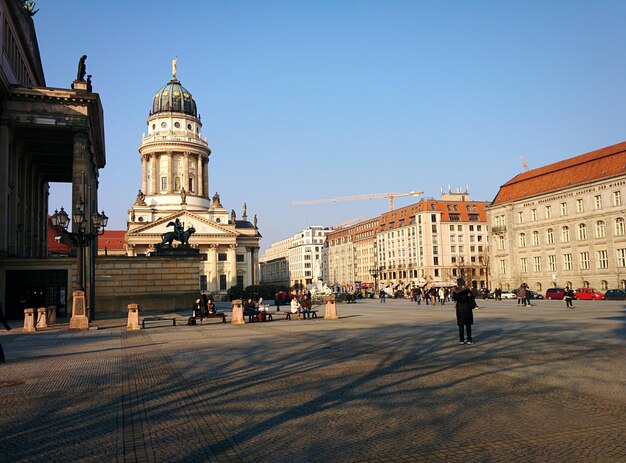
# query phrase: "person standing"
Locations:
[[521, 295], [382, 295], [568, 296], [465, 303]]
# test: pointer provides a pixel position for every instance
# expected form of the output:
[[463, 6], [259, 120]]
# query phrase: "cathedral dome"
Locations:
[[173, 97]]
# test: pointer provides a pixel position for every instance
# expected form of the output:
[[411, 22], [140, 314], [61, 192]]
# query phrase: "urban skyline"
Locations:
[[312, 100]]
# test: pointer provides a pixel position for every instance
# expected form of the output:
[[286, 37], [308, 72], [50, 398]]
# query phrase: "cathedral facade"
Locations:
[[174, 198]]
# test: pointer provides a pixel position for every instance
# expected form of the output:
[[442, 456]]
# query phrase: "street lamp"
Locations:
[[375, 272], [82, 236]]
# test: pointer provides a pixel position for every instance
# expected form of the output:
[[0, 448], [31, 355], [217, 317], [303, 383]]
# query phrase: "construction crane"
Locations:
[[347, 222], [389, 196], [521, 158]]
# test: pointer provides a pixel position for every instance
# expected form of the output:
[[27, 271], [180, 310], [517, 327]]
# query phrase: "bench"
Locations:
[[289, 314], [156, 319], [212, 315]]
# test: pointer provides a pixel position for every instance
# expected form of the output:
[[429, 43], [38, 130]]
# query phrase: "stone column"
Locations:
[[214, 282], [186, 176], [200, 176], [170, 184], [155, 176], [232, 263], [144, 174], [4, 188], [250, 265]]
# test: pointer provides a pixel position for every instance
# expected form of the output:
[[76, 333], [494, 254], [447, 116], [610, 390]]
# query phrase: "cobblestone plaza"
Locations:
[[384, 383]]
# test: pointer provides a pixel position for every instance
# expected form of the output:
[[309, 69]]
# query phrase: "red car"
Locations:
[[588, 294], [555, 293]]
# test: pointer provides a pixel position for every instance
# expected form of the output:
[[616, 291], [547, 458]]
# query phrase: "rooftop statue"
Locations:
[[82, 69]]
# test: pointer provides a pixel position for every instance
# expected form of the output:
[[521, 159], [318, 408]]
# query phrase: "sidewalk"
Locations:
[[386, 382]]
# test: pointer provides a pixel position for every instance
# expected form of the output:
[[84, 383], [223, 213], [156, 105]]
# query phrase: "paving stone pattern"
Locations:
[[385, 383]]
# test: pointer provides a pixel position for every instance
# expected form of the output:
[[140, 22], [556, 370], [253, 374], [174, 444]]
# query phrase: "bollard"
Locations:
[[331, 308], [133, 317], [79, 320], [42, 319], [29, 320], [52, 314], [237, 318]]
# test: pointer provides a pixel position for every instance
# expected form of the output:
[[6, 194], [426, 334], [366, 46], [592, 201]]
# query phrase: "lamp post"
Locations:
[[375, 272], [82, 237]]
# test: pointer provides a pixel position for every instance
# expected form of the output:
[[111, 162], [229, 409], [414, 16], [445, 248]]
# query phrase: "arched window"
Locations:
[[620, 228], [549, 236], [177, 183], [565, 234], [582, 231], [600, 229], [604, 285], [535, 238], [522, 240]]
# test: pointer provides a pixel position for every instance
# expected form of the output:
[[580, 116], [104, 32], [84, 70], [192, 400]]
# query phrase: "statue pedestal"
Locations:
[[237, 318], [79, 85], [331, 308], [79, 320]]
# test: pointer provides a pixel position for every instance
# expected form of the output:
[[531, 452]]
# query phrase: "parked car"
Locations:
[[588, 294], [615, 295], [555, 293], [508, 295], [534, 295]]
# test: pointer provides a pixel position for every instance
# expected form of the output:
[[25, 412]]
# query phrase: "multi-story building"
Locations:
[[434, 242], [294, 261], [350, 256], [562, 224]]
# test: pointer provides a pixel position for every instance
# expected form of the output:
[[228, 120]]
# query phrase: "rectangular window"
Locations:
[[584, 261], [603, 259], [435, 249], [533, 215], [474, 217], [203, 281], [548, 212], [621, 257], [434, 228], [452, 248], [567, 261], [563, 209], [455, 218], [240, 258], [537, 261], [223, 283], [617, 198], [502, 266], [435, 260], [552, 263], [523, 264], [459, 228], [191, 189], [520, 217], [579, 206], [501, 243], [163, 183], [221, 257], [240, 280], [597, 202]]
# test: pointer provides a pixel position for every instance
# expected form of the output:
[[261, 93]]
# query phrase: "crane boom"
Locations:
[[389, 196]]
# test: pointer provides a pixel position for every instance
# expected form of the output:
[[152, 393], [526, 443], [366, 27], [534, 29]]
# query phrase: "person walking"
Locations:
[[568, 296], [465, 303]]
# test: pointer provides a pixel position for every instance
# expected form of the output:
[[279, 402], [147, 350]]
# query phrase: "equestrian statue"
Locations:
[[179, 234]]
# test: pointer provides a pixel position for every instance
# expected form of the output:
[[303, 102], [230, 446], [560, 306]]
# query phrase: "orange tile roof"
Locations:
[[54, 247], [112, 239], [603, 163]]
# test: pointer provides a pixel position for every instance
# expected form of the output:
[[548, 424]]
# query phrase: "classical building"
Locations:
[[295, 261], [174, 195], [46, 135], [562, 224]]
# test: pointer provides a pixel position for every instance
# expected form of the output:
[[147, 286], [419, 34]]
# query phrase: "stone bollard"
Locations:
[[133, 317], [79, 320], [237, 318], [29, 320], [331, 308], [52, 314], [42, 318]]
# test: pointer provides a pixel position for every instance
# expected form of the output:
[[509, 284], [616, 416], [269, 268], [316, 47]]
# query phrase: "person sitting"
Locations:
[[249, 309], [210, 306], [306, 306], [295, 307]]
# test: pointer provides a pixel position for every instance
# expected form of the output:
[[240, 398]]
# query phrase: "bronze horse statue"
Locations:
[[169, 237]]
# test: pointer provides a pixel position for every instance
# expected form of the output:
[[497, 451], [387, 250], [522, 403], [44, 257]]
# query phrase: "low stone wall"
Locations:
[[155, 283]]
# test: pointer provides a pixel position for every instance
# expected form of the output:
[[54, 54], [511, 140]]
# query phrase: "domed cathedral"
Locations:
[[175, 194]]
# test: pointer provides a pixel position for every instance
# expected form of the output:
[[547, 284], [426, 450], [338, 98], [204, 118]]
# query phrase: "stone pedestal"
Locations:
[[52, 314], [79, 320], [237, 318], [133, 317], [331, 308], [29, 320], [42, 318]]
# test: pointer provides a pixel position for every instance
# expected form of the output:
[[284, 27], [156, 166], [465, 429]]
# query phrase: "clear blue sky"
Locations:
[[320, 99]]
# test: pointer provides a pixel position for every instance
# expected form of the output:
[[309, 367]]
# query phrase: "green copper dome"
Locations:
[[174, 98]]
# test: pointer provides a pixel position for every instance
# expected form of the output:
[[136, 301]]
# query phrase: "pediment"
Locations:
[[202, 225]]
